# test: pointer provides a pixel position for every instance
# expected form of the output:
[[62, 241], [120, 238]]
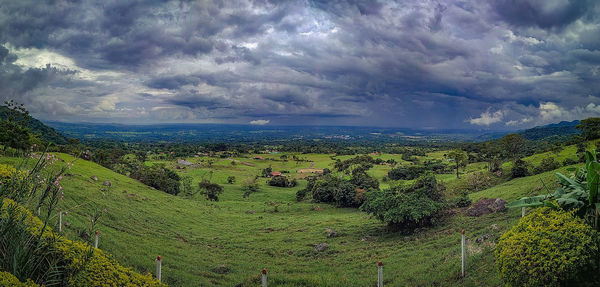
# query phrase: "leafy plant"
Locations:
[[548, 248], [407, 207], [578, 193]]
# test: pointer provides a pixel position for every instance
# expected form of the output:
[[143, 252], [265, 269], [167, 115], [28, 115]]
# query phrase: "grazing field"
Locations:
[[228, 242]]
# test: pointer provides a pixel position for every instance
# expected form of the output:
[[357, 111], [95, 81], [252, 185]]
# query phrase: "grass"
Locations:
[[195, 236]]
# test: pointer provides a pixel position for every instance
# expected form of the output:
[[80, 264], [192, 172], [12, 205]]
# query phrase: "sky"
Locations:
[[472, 64]]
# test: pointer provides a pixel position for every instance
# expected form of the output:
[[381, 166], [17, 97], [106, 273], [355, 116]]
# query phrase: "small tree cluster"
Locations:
[[282, 181], [407, 207]]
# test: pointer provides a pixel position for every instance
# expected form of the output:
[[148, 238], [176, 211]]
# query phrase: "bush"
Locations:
[[569, 161], [282, 181], [231, 179], [462, 200], [548, 248], [9, 280], [210, 190], [477, 181], [81, 265], [406, 172], [249, 186], [520, 169], [159, 177], [547, 164], [407, 207]]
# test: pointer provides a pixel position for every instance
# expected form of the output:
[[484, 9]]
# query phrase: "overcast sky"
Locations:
[[497, 64]]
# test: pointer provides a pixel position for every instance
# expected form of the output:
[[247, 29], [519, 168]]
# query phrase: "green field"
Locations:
[[196, 237]]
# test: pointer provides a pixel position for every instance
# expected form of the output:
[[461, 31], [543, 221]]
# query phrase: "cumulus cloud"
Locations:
[[259, 122], [386, 63], [487, 118]]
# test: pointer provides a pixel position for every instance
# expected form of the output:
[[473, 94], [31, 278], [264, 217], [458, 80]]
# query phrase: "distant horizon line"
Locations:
[[291, 125]]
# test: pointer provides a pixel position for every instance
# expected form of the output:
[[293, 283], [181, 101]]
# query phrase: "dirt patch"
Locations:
[[487, 206]]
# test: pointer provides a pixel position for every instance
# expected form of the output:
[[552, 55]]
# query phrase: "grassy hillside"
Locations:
[[196, 238]]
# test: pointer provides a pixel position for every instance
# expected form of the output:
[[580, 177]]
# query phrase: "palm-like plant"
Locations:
[[578, 192]]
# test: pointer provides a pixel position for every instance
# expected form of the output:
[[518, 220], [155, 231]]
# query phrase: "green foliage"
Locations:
[[407, 207], [477, 181], [250, 186], [513, 145], [406, 172], [459, 157], [578, 193], [210, 190], [159, 177], [266, 172], [547, 164], [186, 186], [548, 248], [361, 161], [231, 179], [14, 112], [520, 168], [590, 128], [462, 200], [340, 192], [9, 280], [13, 135], [282, 181]]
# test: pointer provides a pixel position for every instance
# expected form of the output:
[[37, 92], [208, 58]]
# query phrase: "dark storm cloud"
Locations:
[[438, 63], [542, 13]]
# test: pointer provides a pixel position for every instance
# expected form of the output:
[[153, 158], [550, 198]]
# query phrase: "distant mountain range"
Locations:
[[249, 133]]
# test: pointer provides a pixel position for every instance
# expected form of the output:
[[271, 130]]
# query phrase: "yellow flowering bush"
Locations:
[[6, 172], [548, 248], [97, 270], [9, 280]]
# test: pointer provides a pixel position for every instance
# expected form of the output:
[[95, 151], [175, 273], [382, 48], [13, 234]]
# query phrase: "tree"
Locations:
[[210, 190], [231, 179], [14, 135], [520, 169], [249, 186], [513, 145], [590, 128], [13, 131], [407, 207], [186, 186], [459, 157]]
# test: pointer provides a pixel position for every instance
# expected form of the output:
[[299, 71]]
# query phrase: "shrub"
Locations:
[[81, 265], [282, 181], [407, 207], [548, 248], [462, 200], [159, 177], [547, 164], [477, 181], [231, 179], [9, 280], [249, 186], [406, 172], [569, 161], [520, 169], [210, 190]]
